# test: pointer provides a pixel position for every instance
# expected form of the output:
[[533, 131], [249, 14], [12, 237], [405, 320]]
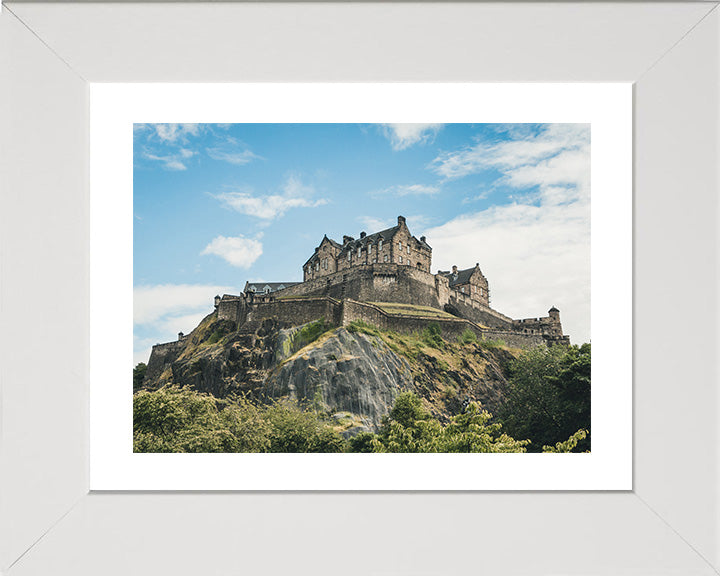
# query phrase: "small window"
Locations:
[[374, 260], [408, 248], [349, 256], [317, 266], [400, 259], [385, 258], [359, 252], [380, 244], [369, 249], [462, 289], [400, 246]]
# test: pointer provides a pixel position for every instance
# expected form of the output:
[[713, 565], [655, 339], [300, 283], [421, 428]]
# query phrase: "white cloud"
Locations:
[[174, 161], [411, 190], [235, 250], [510, 154], [403, 136], [232, 151], [163, 310], [534, 257], [294, 194], [162, 301], [171, 133], [535, 252]]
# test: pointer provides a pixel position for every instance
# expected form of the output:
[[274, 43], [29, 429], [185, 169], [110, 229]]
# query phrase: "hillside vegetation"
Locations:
[[316, 388]]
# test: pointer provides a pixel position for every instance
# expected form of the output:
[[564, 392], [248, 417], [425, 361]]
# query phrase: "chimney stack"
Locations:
[[422, 238], [362, 234], [401, 220], [454, 269], [347, 239]]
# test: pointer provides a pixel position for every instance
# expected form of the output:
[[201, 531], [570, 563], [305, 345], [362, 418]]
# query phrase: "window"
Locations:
[[374, 260], [317, 266], [400, 259], [400, 246], [369, 249], [408, 248], [385, 258], [349, 255], [462, 289], [359, 252], [380, 244]]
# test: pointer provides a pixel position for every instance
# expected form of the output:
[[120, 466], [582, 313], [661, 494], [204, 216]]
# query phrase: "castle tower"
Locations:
[[554, 314]]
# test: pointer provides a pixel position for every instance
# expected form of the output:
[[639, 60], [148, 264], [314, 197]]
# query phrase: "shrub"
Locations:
[[360, 327], [431, 336], [468, 337]]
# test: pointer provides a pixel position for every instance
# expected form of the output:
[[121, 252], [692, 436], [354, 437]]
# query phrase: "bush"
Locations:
[[431, 336], [360, 327], [468, 337]]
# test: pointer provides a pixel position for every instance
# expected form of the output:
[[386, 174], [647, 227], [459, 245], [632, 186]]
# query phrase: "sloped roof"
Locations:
[[373, 238], [463, 276], [274, 286]]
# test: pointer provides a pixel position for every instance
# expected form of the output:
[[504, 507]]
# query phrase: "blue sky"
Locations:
[[218, 204]]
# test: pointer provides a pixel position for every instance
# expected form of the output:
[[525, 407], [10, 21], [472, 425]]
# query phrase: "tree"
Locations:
[[411, 428], [139, 375], [549, 396]]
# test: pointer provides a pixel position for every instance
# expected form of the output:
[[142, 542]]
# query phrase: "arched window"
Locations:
[[349, 255], [380, 244], [385, 258], [400, 259], [400, 246], [419, 265]]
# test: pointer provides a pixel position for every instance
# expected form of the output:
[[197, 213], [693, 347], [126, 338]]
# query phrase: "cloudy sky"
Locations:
[[218, 204]]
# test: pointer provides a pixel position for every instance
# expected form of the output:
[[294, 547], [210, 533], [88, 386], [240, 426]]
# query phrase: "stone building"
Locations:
[[471, 281], [353, 280], [394, 245]]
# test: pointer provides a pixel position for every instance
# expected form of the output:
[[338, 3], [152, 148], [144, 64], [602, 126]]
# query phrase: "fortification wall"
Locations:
[[515, 339], [232, 308], [373, 283], [472, 310], [161, 356], [297, 311]]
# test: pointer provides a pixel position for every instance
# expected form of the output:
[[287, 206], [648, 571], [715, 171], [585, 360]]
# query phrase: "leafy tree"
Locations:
[[139, 375], [549, 396], [569, 445], [411, 428], [295, 430]]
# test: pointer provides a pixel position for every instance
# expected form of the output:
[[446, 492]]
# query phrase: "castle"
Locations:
[[362, 278], [352, 280]]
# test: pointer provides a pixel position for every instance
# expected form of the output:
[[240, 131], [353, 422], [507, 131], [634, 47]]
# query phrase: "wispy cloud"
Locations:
[[293, 194], [403, 136], [174, 161], [233, 151], [535, 251], [159, 302], [409, 190], [235, 250], [520, 151], [171, 133], [160, 311]]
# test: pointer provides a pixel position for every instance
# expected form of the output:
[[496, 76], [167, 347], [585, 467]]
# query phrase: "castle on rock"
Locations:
[[361, 278]]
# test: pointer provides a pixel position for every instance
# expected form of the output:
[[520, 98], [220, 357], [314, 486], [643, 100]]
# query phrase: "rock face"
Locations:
[[347, 372], [351, 376]]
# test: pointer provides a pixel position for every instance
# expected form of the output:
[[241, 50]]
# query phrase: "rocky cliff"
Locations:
[[352, 373]]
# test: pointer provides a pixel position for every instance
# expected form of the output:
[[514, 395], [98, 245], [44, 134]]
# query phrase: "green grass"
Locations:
[[412, 310]]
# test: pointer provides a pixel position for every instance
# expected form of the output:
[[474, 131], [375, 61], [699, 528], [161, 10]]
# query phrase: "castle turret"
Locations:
[[554, 314]]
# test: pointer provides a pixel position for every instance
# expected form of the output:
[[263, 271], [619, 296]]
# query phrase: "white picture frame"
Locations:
[[668, 523]]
